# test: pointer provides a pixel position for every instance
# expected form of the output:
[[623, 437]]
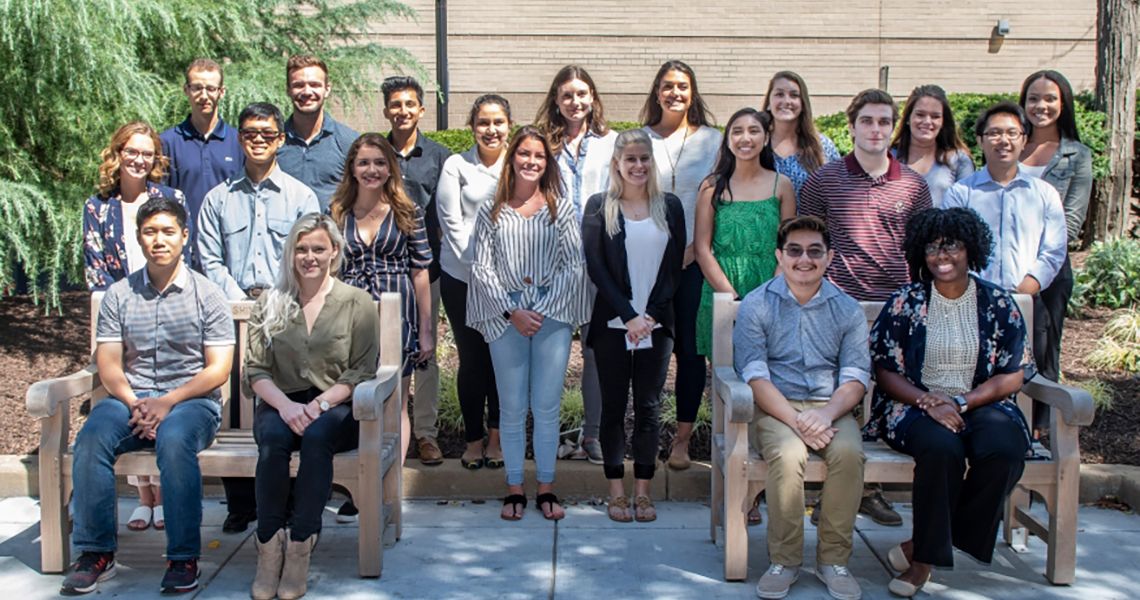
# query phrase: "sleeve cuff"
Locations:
[[756, 369], [855, 374], [1043, 273], [213, 343], [108, 340]]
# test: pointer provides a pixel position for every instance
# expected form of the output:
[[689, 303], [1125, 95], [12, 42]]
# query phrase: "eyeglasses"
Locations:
[[132, 154], [951, 247], [252, 134], [994, 135], [814, 252], [198, 89]]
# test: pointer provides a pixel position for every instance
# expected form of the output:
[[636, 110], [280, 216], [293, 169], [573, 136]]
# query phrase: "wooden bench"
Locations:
[[371, 473], [738, 474]]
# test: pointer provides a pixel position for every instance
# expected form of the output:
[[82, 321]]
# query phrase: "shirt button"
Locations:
[[305, 373]]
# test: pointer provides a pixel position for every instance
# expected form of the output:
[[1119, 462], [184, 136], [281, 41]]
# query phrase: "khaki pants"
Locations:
[[424, 409], [787, 455]]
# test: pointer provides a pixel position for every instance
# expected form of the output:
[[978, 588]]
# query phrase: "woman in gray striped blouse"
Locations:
[[526, 295]]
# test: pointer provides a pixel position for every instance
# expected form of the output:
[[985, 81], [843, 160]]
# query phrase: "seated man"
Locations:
[[165, 342], [801, 345]]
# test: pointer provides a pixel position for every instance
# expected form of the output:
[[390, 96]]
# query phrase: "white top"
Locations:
[[135, 258], [645, 244], [587, 171], [1032, 171], [951, 335], [526, 262], [692, 156], [465, 184]]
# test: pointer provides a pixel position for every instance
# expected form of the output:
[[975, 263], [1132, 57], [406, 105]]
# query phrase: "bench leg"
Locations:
[[716, 508], [1016, 536], [369, 499], [55, 538], [735, 490], [1061, 563]]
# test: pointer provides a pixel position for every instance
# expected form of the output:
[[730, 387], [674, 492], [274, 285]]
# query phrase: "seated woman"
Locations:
[[950, 351], [312, 340], [634, 237], [527, 294]]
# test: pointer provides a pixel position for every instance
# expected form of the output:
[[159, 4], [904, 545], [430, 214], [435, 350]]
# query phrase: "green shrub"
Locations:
[[456, 140], [834, 126], [1102, 393], [1110, 275]]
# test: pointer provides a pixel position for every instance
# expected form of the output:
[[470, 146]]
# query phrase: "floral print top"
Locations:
[[104, 244], [898, 341]]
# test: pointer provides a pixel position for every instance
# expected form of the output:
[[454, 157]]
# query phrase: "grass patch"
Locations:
[[1119, 349]]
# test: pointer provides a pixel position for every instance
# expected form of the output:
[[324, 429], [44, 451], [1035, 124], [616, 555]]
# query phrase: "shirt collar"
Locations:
[[274, 180], [328, 127], [187, 130], [472, 156], [1022, 178], [179, 283], [894, 167], [417, 150], [779, 287]]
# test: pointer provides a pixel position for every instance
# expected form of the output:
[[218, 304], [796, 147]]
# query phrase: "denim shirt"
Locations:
[[1070, 172], [588, 171], [320, 163], [807, 351], [243, 226]]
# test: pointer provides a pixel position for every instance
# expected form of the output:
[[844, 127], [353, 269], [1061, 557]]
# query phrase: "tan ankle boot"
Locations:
[[270, 557], [295, 573]]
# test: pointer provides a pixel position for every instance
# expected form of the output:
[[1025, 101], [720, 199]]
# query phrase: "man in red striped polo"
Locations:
[[866, 200]]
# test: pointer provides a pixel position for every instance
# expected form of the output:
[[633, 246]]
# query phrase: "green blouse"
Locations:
[[344, 346]]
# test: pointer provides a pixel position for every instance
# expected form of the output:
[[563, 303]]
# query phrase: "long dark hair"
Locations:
[[550, 184], [1067, 120], [810, 149], [948, 142], [549, 117], [344, 199], [726, 160], [698, 114]]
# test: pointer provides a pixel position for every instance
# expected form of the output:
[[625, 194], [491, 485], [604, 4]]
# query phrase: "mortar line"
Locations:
[[554, 563], [203, 585]]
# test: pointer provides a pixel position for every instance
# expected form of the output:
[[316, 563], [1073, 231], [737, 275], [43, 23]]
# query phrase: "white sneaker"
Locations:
[[841, 584], [776, 581]]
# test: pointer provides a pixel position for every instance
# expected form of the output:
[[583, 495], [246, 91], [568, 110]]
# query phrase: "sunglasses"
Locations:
[[814, 252], [253, 134]]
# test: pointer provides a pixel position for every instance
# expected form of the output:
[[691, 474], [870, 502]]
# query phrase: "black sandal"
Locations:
[[471, 465], [548, 498], [512, 500]]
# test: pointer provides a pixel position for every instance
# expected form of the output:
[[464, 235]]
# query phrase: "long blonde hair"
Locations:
[[612, 207], [281, 305], [344, 199]]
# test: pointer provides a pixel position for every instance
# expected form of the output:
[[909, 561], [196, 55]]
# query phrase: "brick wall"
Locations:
[[514, 47]]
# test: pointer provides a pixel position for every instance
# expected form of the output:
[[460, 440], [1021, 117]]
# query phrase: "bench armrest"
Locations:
[[736, 394], [368, 397], [1075, 404], [44, 397]]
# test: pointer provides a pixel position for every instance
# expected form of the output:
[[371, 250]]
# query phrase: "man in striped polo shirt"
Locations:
[[866, 200]]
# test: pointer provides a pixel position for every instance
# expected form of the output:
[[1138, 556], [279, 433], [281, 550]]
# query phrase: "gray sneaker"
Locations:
[[593, 450], [776, 581], [841, 584]]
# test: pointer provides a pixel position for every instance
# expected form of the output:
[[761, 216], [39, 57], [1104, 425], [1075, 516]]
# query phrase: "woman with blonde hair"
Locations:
[[634, 238], [386, 247], [133, 165], [312, 340], [527, 294]]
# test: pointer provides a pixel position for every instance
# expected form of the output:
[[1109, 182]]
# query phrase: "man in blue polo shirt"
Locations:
[[315, 144], [203, 149]]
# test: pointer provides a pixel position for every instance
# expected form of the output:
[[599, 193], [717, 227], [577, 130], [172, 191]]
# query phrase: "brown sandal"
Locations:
[[618, 509], [644, 511]]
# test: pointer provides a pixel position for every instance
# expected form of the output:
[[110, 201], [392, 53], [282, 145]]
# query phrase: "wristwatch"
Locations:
[[962, 405], [324, 406]]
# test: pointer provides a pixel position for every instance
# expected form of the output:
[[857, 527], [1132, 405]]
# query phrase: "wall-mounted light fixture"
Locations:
[[1002, 28]]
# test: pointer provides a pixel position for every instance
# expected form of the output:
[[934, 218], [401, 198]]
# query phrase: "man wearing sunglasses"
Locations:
[[866, 200], [800, 343], [245, 219]]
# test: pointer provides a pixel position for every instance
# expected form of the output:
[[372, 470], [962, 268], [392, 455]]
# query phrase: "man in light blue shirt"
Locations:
[[1024, 212], [315, 144], [245, 219], [800, 343]]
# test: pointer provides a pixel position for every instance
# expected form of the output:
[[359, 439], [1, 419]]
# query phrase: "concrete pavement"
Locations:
[[454, 549]]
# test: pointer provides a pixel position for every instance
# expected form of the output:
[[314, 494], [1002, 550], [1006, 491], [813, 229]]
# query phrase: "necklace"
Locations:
[[674, 162]]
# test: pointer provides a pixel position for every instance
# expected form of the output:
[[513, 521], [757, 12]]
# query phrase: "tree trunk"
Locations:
[[1118, 40]]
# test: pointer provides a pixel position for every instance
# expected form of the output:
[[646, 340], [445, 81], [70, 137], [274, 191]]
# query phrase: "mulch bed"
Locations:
[[35, 345]]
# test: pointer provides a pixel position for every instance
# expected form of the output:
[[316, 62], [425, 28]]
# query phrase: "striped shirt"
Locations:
[[164, 334], [867, 220], [526, 262]]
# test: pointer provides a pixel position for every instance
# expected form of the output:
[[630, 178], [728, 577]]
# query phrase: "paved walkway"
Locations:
[[462, 550]]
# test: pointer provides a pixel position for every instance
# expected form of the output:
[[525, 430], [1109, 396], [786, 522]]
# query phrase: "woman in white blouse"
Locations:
[[527, 294], [573, 119], [684, 147], [468, 181]]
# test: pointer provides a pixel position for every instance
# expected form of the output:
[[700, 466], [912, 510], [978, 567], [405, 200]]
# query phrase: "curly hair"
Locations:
[[933, 224], [112, 159]]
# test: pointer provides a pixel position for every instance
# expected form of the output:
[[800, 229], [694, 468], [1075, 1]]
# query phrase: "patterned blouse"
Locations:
[[104, 239], [793, 169], [898, 344]]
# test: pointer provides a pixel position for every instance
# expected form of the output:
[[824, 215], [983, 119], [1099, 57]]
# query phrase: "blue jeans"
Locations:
[[186, 431], [529, 373]]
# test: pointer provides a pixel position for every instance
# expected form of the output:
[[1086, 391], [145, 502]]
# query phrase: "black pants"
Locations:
[[950, 512], [646, 370], [334, 431], [1048, 324], [475, 382], [690, 384]]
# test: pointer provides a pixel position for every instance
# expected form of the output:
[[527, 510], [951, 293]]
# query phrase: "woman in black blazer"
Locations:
[[634, 239]]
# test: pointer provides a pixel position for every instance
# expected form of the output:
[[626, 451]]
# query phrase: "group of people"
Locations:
[[566, 225]]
